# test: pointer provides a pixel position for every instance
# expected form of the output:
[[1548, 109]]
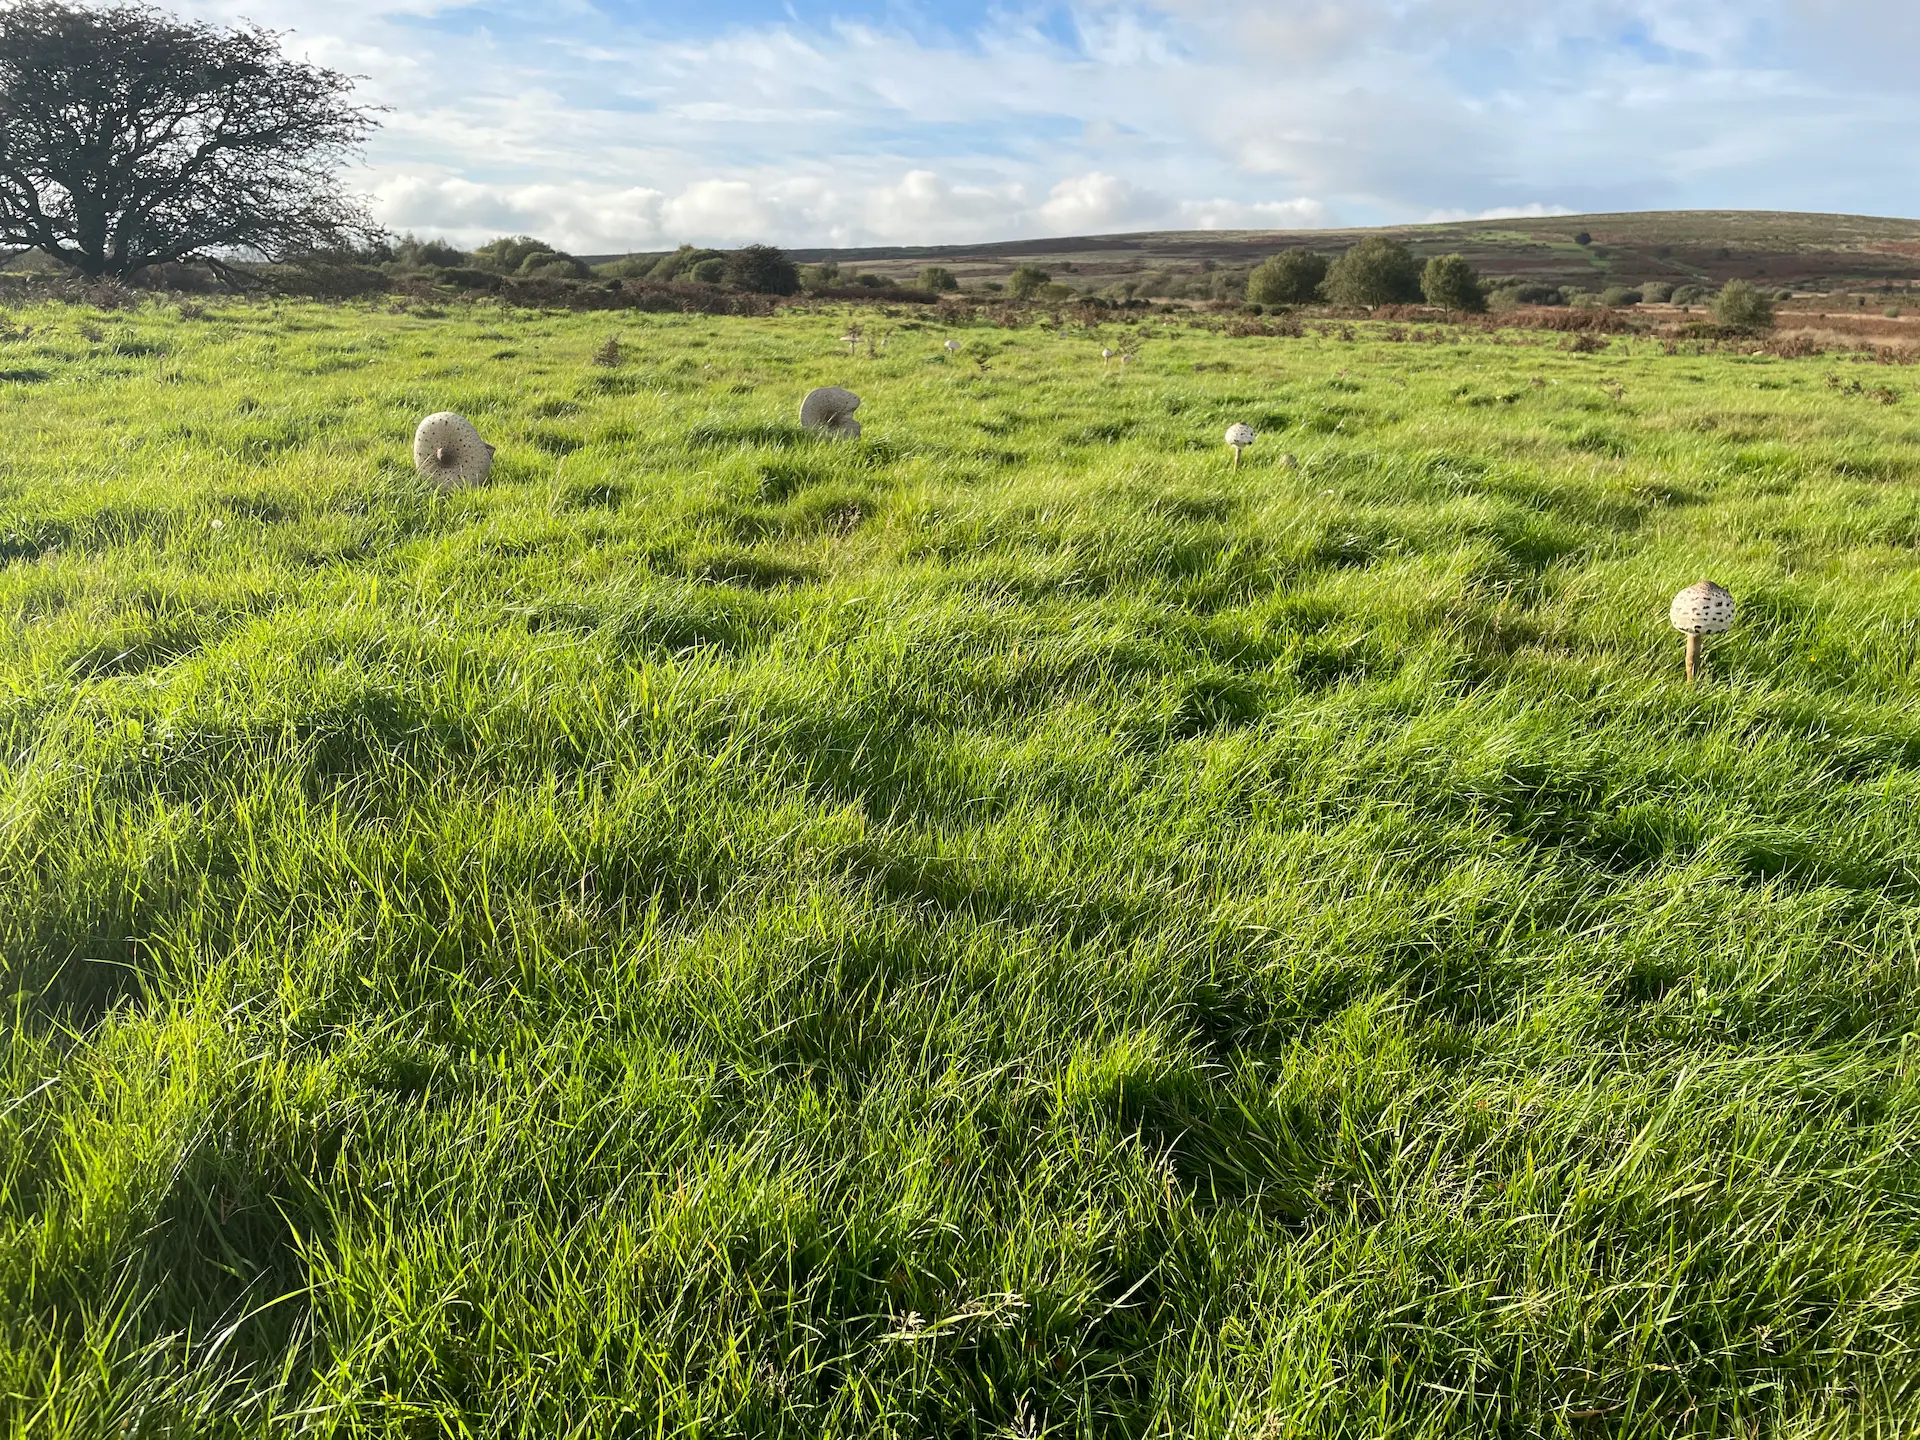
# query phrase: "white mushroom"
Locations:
[[953, 347], [449, 451], [1698, 611], [1106, 356], [830, 409], [1289, 461], [1239, 437]]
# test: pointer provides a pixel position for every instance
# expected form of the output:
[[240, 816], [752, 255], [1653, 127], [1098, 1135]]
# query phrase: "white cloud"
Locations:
[[556, 116], [1095, 202], [1535, 211], [1299, 214]]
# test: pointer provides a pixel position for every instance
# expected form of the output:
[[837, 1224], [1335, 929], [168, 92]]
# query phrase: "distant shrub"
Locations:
[[1453, 284], [938, 279], [418, 254], [1689, 295], [1658, 293], [1583, 239], [1618, 296], [552, 265], [682, 261], [867, 280], [1027, 279], [1377, 271], [823, 276], [762, 270], [1293, 277], [1741, 306], [524, 255], [1516, 292], [710, 271]]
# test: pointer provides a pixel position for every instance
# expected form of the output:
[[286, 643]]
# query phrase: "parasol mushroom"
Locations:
[[449, 451], [831, 409], [1239, 437], [1698, 611]]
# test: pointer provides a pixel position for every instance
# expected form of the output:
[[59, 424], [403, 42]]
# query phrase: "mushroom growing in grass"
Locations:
[[1239, 437], [830, 409], [449, 451], [1289, 461], [1698, 611], [1106, 356], [953, 347]]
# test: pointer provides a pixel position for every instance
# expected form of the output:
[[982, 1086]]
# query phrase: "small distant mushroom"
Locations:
[[449, 451], [1239, 437], [953, 347], [1106, 356], [852, 339], [830, 409], [1698, 611], [1289, 461]]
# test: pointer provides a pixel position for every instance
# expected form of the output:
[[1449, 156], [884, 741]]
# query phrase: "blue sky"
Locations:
[[608, 125]]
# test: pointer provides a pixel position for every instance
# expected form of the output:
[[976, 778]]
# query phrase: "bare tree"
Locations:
[[129, 138]]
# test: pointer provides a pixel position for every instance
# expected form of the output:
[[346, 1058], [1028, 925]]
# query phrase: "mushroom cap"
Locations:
[[1239, 435], [829, 408], [1289, 462], [448, 450], [1703, 609], [953, 344]]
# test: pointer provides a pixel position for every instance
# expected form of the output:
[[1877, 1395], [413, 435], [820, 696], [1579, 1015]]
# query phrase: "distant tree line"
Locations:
[[1381, 271]]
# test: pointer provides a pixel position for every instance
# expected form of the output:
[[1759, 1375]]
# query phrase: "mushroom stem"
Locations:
[[1694, 646], [1236, 457]]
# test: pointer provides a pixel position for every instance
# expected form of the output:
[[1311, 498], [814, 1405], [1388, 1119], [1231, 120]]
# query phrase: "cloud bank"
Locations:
[[608, 125]]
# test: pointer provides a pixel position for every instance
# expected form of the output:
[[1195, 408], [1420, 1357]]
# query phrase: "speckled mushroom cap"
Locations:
[[831, 409], [1289, 462], [1703, 609], [1240, 435], [448, 450], [953, 344]]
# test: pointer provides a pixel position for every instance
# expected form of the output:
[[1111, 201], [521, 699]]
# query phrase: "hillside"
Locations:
[[1810, 252]]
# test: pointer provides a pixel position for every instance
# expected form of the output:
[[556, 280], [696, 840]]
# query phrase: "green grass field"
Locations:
[[1009, 927]]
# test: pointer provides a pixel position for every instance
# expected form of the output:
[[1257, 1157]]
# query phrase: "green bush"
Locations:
[[762, 270], [939, 279], [1453, 284], [710, 271], [1293, 277], [1741, 306], [1689, 295], [509, 254], [553, 265], [1615, 297], [1658, 293], [680, 264], [417, 254], [1027, 279], [823, 276], [1521, 292], [1377, 271]]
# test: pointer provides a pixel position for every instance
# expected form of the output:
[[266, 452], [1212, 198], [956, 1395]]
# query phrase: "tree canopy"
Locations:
[[129, 138], [1293, 277], [763, 270], [1377, 271], [1453, 284]]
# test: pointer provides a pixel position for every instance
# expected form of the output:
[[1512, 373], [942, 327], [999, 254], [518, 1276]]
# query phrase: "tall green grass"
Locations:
[[1007, 928]]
